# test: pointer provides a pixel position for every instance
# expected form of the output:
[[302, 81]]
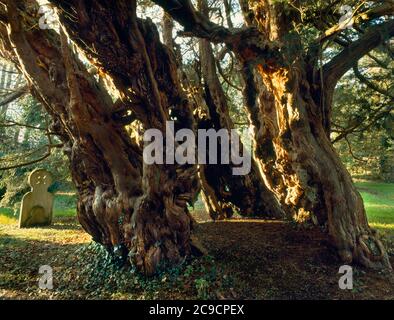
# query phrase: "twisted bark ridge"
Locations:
[[246, 194], [144, 71], [222, 192], [137, 211]]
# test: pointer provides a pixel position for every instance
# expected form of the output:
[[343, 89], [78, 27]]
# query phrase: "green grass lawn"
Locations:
[[379, 204], [65, 205], [378, 200], [6, 216]]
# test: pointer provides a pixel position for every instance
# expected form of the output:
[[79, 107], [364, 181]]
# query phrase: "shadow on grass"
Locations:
[[266, 260], [58, 223], [64, 223], [278, 260], [21, 260]]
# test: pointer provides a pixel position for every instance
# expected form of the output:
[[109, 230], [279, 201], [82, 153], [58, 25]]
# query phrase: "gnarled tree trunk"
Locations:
[[135, 210], [294, 149], [247, 193], [223, 192]]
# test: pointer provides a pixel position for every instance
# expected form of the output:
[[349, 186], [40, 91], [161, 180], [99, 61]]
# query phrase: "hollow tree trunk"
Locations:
[[145, 73], [317, 185], [224, 192]]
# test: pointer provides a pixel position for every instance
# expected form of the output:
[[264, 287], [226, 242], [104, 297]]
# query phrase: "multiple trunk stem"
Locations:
[[139, 211]]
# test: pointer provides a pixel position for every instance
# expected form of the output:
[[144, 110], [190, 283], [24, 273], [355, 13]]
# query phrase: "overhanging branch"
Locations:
[[341, 63], [247, 43], [28, 163], [387, 8], [369, 83], [194, 22]]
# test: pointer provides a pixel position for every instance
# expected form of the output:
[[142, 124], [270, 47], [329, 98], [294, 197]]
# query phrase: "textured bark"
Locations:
[[247, 193], [103, 157], [133, 209], [141, 211], [293, 144], [145, 73], [224, 192], [315, 184]]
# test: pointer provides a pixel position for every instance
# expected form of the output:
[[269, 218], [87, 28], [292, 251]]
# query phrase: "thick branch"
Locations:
[[345, 60], [193, 21], [248, 43], [387, 8]]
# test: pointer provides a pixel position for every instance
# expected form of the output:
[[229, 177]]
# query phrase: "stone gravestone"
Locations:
[[36, 207]]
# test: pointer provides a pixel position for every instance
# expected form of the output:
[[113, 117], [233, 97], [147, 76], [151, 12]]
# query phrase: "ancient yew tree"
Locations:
[[139, 211]]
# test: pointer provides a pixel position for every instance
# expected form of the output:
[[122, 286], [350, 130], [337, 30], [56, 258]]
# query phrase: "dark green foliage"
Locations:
[[100, 276], [22, 144]]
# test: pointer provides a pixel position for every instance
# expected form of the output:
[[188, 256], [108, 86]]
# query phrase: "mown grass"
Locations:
[[379, 203], [6, 216], [65, 205]]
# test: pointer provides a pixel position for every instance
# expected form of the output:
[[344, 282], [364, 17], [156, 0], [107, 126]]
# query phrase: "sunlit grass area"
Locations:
[[379, 204], [234, 248], [378, 200], [63, 231], [6, 216], [65, 205]]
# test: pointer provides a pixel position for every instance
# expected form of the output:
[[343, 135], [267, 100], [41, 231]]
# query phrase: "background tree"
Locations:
[[363, 114]]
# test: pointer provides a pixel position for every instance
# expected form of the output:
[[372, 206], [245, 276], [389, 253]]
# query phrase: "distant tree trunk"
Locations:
[[246, 194]]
